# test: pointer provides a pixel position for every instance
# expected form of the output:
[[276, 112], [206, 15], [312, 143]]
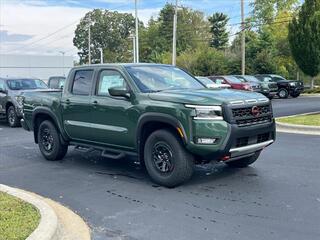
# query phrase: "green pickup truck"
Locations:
[[158, 113]]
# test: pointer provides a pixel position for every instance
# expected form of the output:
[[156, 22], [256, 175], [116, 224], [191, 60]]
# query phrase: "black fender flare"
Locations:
[[158, 117], [47, 111]]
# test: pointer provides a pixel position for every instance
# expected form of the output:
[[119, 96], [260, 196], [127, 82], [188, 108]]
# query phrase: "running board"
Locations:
[[105, 152]]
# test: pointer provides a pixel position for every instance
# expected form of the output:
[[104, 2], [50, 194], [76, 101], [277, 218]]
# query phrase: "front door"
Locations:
[[112, 117], [76, 105]]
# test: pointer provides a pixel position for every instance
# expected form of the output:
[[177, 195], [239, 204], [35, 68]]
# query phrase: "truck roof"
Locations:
[[120, 65]]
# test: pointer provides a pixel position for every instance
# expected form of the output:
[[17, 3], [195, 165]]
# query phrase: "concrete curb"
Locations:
[[57, 222], [298, 129], [48, 225]]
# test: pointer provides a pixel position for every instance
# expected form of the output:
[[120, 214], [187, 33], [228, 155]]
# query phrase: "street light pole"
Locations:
[[132, 36], [243, 41], [89, 43], [137, 32], [101, 55], [63, 62], [174, 40]]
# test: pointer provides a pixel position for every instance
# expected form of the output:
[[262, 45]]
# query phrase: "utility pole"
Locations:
[[174, 39], [101, 55], [89, 42], [137, 33], [243, 41], [63, 62], [132, 36]]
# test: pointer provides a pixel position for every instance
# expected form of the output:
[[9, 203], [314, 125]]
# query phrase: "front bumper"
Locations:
[[296, 90], [235, 142]]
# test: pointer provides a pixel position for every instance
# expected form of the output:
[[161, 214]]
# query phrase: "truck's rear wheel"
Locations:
[[244, 162], [49, 142], [166, 160], [283, 93]]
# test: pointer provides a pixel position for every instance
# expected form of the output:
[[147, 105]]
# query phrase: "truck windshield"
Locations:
[[233, 79], [161, 78], [25, 84]]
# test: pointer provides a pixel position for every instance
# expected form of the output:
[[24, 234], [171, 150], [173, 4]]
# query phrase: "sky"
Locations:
[[46, 27]]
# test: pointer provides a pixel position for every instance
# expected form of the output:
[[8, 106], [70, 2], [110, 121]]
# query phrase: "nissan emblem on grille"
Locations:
[[255, 111]]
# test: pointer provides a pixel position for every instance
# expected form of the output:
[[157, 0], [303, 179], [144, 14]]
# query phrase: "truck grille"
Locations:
[[253, 115]]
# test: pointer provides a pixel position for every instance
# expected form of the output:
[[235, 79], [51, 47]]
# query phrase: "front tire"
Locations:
[[244, 162], [166, 160], [283, 93], [49, 142], [295, 95], [12, 117]]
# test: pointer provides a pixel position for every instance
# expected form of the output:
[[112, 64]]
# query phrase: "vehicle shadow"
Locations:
[[129, 169]]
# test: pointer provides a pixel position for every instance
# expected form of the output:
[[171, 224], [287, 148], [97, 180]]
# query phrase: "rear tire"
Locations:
[[283, 93], [244, 162], [49, 142], [166, 160], [12, 117]]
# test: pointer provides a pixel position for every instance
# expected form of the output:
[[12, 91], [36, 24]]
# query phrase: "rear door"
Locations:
[[76, 105]]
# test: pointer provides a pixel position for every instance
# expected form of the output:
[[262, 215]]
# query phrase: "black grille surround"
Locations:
[[249, 114]]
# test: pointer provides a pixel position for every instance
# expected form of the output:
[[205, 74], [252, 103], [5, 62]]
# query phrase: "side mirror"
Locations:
[[119, 92], [2, 90]]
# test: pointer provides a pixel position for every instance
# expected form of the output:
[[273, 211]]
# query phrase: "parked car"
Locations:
[[210, 84], [285, 87], [269, 89], [158, 113], [56, 82], [236, 83], [10, 99]]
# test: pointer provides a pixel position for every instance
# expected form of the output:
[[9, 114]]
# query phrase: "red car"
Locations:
[[235, 83]]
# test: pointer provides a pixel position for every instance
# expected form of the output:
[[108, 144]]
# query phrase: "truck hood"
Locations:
[[205, 96], [20, 92]]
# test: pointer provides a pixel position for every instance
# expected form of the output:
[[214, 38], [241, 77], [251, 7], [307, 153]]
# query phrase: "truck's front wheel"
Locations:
[[49, 142], [166, 160], [244, 162]]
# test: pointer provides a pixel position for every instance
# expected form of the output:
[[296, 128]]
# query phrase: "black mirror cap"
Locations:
[[119, 92]]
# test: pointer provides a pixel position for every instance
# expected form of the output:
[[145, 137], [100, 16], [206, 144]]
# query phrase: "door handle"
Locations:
[[68, 101], [95, 103]]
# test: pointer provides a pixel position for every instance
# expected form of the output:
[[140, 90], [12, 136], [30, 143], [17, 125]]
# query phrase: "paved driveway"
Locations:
[[277, 198]]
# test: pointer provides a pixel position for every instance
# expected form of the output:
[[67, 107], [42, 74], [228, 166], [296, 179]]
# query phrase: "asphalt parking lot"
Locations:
[[277, 198]]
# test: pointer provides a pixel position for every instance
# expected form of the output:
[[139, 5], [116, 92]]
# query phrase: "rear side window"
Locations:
[[82, 82], [109, 79]]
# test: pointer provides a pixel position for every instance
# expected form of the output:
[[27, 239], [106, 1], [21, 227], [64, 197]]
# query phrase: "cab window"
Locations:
[[2, 85], [109, 79], [82, 82]]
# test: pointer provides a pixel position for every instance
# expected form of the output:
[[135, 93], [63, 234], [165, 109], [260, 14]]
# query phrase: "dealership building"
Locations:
[[35, 66]]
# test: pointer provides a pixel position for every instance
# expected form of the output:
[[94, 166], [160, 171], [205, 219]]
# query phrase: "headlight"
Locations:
[[207, 112], [292, 84], [19, 100]]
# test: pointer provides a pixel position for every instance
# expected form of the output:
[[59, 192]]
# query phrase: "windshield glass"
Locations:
[[160, 78], [25, 84], [205, 80], [233, 79], [251, 78]]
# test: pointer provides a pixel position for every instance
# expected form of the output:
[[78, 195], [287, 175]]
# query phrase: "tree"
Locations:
[[265, 11], [219, 32], [156, 40], [109, 31], [304, 38]]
